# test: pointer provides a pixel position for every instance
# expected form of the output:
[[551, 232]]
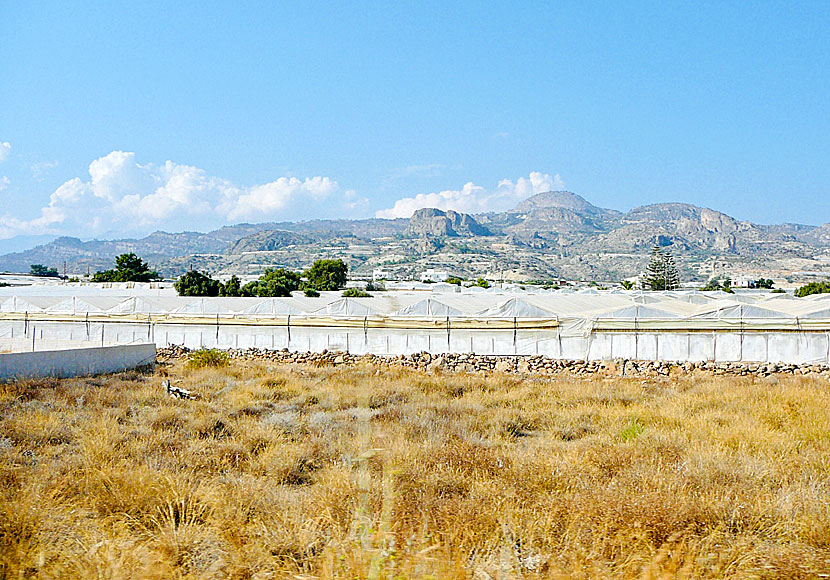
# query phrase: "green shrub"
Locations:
[[762, 283], [208, 357], [813, 288], [128, 268], [312, 293], [274, 282], [194, 283], [355, 293], [327, 274], [454, 280], [233, 287], [43, 271], [715, 284]]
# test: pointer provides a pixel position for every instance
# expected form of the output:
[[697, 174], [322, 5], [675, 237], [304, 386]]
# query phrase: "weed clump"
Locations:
[[208, 358], [633, 429]]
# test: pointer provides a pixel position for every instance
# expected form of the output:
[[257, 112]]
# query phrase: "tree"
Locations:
[[661, 272], [128, 268], [233, 287], [327, 275], [627, 285], [481, 282], [454, 280], [194, 283], [764, 283], [355, 293], [813, 288], [274, 282], [43, 271], [715, 284]]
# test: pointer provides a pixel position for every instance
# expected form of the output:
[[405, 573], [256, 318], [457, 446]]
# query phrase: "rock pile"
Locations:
[[538, 364]]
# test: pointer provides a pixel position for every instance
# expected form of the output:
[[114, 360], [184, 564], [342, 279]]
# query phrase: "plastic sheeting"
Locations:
[[428, 308], [587, 324]]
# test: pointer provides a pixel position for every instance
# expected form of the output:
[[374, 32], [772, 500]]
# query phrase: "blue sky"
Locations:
[[121, 118]]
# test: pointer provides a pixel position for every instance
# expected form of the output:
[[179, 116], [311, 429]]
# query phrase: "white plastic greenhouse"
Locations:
[[681, 326]]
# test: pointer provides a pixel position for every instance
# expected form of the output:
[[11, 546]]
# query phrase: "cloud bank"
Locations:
[[5, 149], [473, 198], [122, 195]]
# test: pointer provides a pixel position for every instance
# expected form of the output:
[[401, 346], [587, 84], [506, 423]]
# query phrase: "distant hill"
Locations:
[[99, 254], [549, 235], [559, 199], [268, 240]]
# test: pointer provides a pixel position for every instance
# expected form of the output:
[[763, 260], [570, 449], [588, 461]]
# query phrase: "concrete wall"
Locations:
[[75, 362]]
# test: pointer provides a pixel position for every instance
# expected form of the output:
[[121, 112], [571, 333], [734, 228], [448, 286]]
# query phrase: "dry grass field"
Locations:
[[379, 473]]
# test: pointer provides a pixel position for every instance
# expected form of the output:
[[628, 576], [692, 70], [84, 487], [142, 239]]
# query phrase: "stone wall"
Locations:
[[513, 364]]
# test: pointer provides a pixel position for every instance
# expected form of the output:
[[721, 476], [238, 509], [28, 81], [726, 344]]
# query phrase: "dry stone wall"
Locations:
[[472, 363]]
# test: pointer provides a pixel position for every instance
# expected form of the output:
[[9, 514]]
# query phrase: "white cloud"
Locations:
[[476, 199], [274, 197], [42, 168], [122, 195], [4, 182], [355, 203], [5, 149]]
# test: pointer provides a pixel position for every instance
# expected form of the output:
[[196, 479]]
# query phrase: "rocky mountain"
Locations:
[[818, 236], [434, 222], [555, 234], [559, 199], [267, 241]]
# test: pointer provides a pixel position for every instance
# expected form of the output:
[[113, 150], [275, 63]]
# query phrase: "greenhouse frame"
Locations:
[[587, 324]]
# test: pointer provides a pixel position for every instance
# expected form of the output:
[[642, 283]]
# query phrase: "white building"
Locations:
[[380, 274], [434, 275]]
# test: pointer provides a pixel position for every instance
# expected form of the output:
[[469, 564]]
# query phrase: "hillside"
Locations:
[[556, 234]]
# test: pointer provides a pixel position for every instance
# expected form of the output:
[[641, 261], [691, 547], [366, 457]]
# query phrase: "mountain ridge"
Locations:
[[548, 235]]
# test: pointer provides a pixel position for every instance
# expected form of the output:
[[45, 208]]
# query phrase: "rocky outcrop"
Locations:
[[435, 222]]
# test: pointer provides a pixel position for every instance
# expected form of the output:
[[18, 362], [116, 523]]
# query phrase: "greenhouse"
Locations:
[[587, 324]]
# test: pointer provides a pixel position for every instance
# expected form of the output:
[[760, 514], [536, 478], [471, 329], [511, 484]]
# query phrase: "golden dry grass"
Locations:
[[381, 473]]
